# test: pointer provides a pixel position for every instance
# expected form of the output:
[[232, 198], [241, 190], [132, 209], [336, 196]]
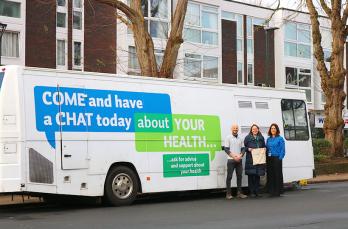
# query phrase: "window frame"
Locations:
[[17, 3], [79, 10], [65, 54], [148, 19], [297, 42], [159, 53], [77, 67], [253, 76], [294, 120], [200, 58], [65, 1], [297, 86], [200, 26], [17, 44], [65, 20], [242, 64]]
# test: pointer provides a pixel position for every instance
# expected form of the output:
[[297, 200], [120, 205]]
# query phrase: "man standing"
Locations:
[[235, 151]]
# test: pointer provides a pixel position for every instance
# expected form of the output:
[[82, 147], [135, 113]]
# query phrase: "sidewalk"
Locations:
[[17, 199], [336, 177]]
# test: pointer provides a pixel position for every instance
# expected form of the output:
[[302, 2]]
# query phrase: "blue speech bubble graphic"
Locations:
[[89, 110]]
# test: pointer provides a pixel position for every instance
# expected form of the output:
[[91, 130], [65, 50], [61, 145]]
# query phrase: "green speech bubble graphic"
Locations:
[[184, 165], [190, 133]]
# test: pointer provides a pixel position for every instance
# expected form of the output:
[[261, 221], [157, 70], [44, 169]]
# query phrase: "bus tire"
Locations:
[[121, 186]]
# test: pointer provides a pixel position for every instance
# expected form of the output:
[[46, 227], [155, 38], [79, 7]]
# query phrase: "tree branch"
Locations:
[[326, 8], [316, 35], [175, 40], [129, 12], [124, 20]]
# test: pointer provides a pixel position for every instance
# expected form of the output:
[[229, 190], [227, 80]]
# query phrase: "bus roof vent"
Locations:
[[245, 104], [261, 105]]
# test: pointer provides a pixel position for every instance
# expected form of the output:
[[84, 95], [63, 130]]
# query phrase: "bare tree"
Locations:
[[132, 16], [332, 81]]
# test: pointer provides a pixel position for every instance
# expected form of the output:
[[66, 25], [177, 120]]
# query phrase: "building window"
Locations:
[[159, 29], [240, 78], [299, 78], [77, 20], [326, 43], [250, 73], [240, 38], [133, 64], [10, 9], [250, 47], [228, 15], [249, 27], [210, 67], [201, 24], [61, 53], [201, 66], [295, 119], [193, 65], [78, 4], [10, 44], [77, 54], [323, 97], [297, 40], [61, 3], [77, 14], [61, 20], [156, 17]]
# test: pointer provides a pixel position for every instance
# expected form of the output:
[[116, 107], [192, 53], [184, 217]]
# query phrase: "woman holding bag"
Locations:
[[276, 152], [254, 140]]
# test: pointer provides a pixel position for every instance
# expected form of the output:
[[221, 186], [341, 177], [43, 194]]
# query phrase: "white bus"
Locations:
[[90, 134]]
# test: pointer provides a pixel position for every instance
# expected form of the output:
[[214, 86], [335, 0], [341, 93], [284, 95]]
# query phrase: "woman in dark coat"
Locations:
[[252, 141]]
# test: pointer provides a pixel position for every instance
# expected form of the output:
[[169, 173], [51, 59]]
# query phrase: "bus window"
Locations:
[[295, 120], [1, 78]]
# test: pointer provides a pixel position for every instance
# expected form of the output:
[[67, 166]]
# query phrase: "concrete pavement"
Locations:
[[313, 207], [24, 199]]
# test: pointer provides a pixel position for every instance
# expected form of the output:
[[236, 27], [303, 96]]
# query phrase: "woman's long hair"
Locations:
[[251, 128], [277, 128]]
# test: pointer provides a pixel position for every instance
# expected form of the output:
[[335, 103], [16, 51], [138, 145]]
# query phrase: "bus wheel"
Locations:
[[121, 186]]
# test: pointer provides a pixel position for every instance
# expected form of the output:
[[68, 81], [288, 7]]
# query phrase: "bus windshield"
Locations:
[[2, 74]]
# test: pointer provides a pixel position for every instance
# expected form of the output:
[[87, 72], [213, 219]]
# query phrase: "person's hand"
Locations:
[[237, 157], [250, 149]]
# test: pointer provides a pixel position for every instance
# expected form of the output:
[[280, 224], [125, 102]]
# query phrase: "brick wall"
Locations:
[[229, 51], [263, 58], [40, 34], [99, 38]]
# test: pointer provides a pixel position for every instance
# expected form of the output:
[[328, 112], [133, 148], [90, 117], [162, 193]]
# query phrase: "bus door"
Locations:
[[298, 162], [73, 129]]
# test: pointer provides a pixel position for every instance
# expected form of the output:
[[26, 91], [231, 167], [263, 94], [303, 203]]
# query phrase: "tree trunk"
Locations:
[[334, 124], [174, 41], [332, 82], [145, 51], [143, 42]]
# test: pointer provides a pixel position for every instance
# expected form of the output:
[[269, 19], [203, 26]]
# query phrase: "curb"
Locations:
[[326, 181], [6, 200]]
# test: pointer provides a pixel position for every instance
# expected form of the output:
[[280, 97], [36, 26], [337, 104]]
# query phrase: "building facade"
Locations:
[[225, 41]]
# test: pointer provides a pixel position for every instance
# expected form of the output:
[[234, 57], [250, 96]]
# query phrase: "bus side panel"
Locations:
[[40, 157], [11, 133]]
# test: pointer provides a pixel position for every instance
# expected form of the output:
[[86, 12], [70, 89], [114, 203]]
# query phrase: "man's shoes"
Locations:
[[241, 195], [229, 197]]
